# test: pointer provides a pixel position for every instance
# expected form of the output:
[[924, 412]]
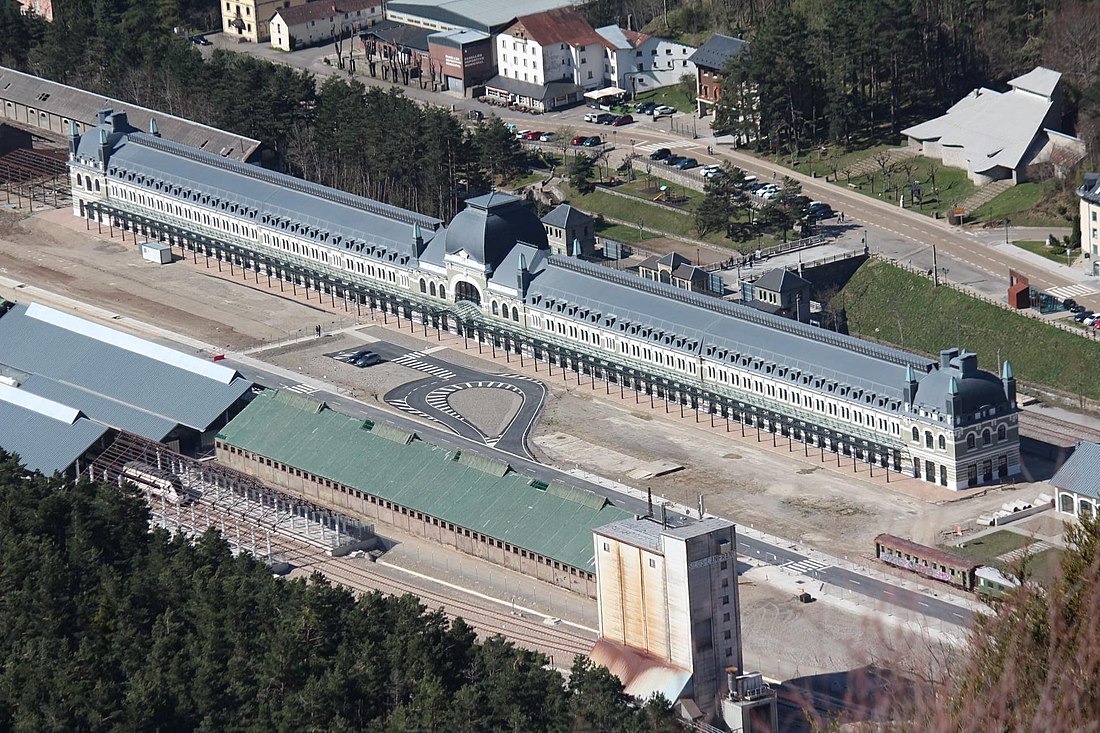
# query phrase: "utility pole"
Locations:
[[935, 269]]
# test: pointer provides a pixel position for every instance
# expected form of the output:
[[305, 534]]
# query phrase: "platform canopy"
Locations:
[[599, 94]]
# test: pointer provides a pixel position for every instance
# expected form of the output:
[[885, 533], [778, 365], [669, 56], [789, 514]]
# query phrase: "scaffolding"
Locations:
[[250, 515], [37, 176]]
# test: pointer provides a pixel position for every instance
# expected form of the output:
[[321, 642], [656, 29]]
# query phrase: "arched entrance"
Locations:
[[467, 291]]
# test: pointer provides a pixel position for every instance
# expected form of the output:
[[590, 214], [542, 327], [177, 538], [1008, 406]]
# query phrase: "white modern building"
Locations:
[[320, 21], [490, 275], [1003, 135], [1089, 193], [637, 62]]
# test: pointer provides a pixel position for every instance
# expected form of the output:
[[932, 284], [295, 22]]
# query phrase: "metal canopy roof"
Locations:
[[47, 436], [80, 105], [420, 476], [114, 370]]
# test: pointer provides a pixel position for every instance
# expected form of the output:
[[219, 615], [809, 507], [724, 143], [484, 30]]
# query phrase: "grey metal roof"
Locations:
[[565, 216], [541, 92], [80, 105], [1090, 190], [1081, 471], [1040, 80], [483, 15], [717, 51], [300, 208], [489, 227], [117, 368], [780, 280], [457, 37], [678, 320], [399, 34], [993, 128], [47, 436], [106, 410]]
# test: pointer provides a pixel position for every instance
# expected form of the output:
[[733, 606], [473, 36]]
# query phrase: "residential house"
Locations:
[[548, 60], [637, 62], [710, 63], [1003, 135], [780, 292], [1089, 193], [318, 22], [569, 230], [1077, 482], [250, 20]]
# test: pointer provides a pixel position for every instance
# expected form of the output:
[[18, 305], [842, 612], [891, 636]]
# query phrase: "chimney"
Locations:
[[104, 148], [1009, 383], [968, 364], [74, 138], [119, 122], [418, 239], [523, 276], [946, 356], [664, 515], [102, 115], [153, 128], [909, 393]]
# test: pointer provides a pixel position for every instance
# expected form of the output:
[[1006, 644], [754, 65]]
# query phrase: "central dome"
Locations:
[[490, 225]]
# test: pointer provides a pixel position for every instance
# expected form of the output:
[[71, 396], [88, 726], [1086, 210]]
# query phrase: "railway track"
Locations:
[[1035, 425], [556, 643]]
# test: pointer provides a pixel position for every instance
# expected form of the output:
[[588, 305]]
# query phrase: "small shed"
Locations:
[[156, 252]]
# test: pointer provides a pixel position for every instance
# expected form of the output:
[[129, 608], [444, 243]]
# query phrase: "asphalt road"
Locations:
[[882, 593]]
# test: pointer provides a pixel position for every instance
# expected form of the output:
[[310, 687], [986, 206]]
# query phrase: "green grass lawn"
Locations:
[[888, 304], [987, 548], [824, 161], [623, 233], [1020, 205], [1040, 248], [673, 96], [950, 189]]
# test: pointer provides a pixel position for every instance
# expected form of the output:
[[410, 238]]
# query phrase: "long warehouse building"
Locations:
[[489, 275]]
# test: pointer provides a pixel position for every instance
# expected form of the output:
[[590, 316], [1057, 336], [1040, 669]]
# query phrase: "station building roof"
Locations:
[[48, 436], [112, 377], [82, 106], [459, 488], [1081, 471]]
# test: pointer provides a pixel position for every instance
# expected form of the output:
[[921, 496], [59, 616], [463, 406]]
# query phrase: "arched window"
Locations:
[[943, 443], [79, 180], [1065, 502], [916, 435], [442, 292], [496, 309], [97, 186], [916, 468], [515, 314], [927, 438], [1085, 508], [987, 437], [970, 441], [1002, 433], [423, 286], [432, 287]]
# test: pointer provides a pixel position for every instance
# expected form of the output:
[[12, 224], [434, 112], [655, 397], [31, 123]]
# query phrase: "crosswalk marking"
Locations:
[[1072, 291], [651, 147], [413, 361], [802, 567], [300, 388]]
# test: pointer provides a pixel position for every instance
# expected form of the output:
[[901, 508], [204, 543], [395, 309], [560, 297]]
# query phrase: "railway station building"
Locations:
[[462, 499], [489, 275]]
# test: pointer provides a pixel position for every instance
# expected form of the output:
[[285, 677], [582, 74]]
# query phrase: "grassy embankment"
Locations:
[[888, 304]]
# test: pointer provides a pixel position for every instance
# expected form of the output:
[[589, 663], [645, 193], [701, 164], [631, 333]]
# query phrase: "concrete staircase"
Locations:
[[985, 194], [866, 166]]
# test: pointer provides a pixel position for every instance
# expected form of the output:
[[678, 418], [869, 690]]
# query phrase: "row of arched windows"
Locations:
[[501, 309], [971, 438], [87, 183], [430, 288]]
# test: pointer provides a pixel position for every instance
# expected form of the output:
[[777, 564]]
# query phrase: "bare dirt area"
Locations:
[[750, 482]]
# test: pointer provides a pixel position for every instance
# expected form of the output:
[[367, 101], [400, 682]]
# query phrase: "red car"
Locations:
[[534, 134], [622, 120], [579, 140]]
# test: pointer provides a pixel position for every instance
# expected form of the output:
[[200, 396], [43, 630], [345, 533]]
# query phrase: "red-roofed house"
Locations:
[[316, 22], [556, 49]]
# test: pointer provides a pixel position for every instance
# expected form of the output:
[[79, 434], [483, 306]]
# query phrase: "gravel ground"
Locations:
[[490, 410]]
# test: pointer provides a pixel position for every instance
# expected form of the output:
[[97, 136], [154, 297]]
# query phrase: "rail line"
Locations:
[[1036, 425]]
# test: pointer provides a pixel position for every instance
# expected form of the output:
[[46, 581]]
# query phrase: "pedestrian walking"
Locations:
[[318, 331]]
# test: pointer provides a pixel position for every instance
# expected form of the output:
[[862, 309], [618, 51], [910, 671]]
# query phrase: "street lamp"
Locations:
[[1006, 230]]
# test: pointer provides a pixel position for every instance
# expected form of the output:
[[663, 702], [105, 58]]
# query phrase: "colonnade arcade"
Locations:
[[465, 319]]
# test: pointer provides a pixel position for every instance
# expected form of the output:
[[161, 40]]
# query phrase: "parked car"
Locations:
[[660, 154], [1076, 308], [663, 109], [1069, 303], [511, 127], [476, 115], [605, 118], [646, 108], [522, 134], [201, 41], [593, 141], [621, 120], [547, 137], [748, 182], [578, 140], [673, 160], [1091, 321], [817, 211], [687, 163], [534, 135], [593, 116], [710, 170], [366, 359], [1080, 316]]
